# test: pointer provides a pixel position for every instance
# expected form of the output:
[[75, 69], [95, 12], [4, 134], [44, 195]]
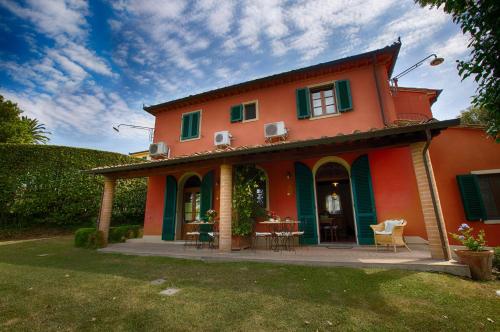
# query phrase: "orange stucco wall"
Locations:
[[459, 151], [394, 187], [412, 102], [276, 103]]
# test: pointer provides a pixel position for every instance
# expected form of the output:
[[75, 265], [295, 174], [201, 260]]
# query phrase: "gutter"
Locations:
[[375, 77], [442, 236]]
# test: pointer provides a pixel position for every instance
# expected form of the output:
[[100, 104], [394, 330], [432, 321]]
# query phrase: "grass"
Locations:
[[79, 289]]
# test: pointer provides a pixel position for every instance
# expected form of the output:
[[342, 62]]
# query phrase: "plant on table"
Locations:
[[210, 215], [247, 199], [271, 215]]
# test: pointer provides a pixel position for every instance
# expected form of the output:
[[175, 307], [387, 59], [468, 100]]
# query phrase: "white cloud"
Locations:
[[54, 18], [415, 26], [86, 58], [218, 15], [453, 47]]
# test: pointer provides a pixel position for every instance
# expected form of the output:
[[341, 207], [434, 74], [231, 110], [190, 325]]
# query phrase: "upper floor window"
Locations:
[[323, 101], [244, 112], [190, 127]]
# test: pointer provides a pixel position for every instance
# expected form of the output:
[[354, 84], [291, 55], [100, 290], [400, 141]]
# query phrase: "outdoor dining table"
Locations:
[[275, 227], [197, 225]]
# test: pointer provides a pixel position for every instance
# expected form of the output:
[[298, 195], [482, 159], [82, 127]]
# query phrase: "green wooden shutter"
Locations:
[[364, 203], [206, 202], [236, 113], [343, 92], [186, 122], [190, 125], [195, 124], [471, 197], [306, 207], [303, 103], [169, 211]]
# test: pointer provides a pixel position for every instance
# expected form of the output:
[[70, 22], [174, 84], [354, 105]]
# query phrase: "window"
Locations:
[[244, 112], [489, 187], [190, 127], [250, 111], [323, 101]]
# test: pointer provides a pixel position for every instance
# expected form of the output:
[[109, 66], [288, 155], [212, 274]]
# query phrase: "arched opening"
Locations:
[[334, 202], [190, 203]]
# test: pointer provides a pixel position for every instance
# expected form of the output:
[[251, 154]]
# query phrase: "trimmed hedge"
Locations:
[[91, 238], [46, 185], [496, 258]]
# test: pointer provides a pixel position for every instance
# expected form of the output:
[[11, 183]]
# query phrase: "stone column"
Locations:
[[106, 207], [432, 223], [226, 206]]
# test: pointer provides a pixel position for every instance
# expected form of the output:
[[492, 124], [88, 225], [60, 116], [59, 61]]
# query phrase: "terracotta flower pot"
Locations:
[[240, 242], [480, 262]]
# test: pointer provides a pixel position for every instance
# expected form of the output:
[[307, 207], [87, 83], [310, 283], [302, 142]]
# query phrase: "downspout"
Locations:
[[381, 105], [442, 236]]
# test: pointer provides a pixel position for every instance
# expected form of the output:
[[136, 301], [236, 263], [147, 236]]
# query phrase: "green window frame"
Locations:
[[190, 125]]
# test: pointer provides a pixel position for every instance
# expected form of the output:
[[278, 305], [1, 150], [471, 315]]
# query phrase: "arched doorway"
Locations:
[[190, 203], [334, 203]]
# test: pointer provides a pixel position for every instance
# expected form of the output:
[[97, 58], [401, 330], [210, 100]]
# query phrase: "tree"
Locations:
[[15, 128], [474, 116], [36, 131], [479, 19]]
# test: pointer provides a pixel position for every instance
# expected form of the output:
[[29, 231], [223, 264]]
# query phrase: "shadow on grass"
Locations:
[[359, 288]]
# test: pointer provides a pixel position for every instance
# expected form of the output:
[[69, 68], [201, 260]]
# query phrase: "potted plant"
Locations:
[[210, 215], [478, 258], [271, 215], [246, 208]]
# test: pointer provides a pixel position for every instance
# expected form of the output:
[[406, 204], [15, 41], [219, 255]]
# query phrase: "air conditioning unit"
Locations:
[[222, 138], [158, 150], [275, 129]]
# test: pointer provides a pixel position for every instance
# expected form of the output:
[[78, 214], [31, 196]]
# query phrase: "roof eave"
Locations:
[[393, 49], [277, 147]]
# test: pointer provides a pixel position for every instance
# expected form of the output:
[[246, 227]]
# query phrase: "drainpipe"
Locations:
[[433, 195], [381, 105]]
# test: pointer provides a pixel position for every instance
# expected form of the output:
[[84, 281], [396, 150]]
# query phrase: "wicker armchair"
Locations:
[[390, 233]]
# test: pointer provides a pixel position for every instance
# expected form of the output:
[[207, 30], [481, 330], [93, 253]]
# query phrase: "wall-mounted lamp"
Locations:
[[149, 129], [288, 175], [335, 184], [434, 62]]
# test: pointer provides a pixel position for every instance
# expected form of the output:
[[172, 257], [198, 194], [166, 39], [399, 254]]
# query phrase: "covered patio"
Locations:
[[416, 137], [356, 256]]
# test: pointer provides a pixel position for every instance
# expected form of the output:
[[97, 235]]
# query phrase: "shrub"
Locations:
[[46, 185], [89, 238], [496, 258]]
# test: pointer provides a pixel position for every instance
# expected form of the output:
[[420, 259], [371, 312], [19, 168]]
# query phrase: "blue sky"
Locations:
[[81, 68]]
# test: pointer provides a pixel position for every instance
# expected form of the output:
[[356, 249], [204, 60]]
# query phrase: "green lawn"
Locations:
[[79, 289]]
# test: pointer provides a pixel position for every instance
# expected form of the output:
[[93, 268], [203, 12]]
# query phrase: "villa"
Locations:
[[338, 145]]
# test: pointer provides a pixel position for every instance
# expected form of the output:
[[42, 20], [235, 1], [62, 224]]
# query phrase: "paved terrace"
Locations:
[[419, 259]]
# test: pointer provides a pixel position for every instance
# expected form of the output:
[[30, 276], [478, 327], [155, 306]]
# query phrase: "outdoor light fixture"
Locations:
[[436, 61], [149, 129]]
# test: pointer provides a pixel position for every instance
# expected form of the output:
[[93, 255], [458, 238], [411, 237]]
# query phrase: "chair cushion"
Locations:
[[389, 225], [297, 233], [192, 233], [263, 234], [383, 232]]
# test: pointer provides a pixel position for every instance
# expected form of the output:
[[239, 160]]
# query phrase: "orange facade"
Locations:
[[462, 151], [454, 151]]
